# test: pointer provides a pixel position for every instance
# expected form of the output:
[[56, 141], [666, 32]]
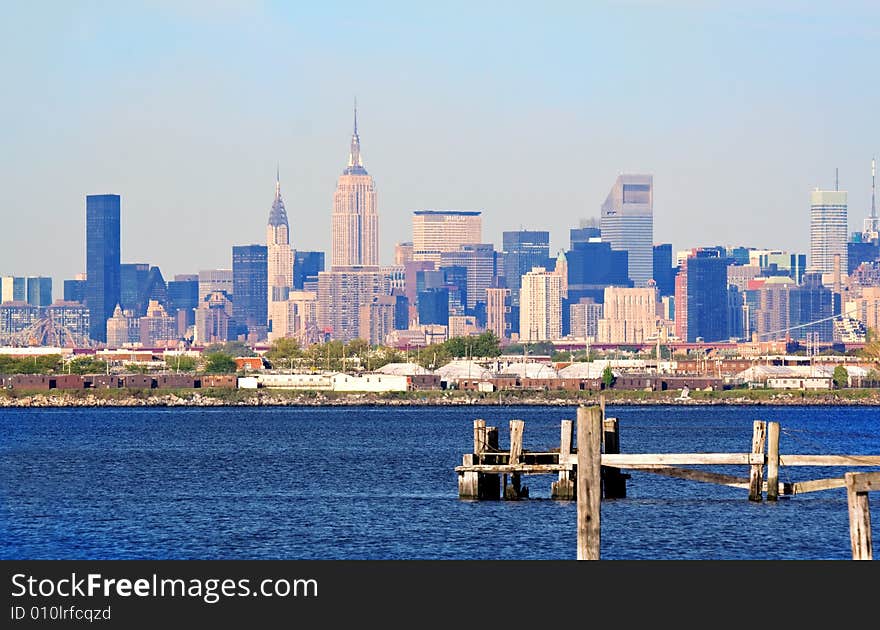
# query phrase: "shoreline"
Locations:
[[288, 398]]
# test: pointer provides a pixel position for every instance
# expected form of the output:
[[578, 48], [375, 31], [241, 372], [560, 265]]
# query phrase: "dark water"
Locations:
[[372, 482]]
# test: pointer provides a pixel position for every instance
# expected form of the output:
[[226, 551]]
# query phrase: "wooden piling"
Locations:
[[514, 489], [772, 461], [589, 482], [756, 474], [468, 482], [564, 486], [860, 513], [479, 439], [613, 481]]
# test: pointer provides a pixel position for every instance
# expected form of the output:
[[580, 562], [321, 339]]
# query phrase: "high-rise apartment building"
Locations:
[[342, 292], [540, 307], [279, 254], [498, 310], [250, 276], [630, 315], [102, 261], [828, 229], [584, 316], [214, 321], [355, 220], [628, 224], [439, 231]]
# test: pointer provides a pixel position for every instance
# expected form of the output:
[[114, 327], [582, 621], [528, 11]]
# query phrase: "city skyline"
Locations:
[[193, 169]]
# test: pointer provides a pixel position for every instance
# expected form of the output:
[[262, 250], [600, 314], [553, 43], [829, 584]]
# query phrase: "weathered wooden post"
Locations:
[[563, 487], [479, 439], [857, 487], [613, 481], [514, 490], [772, 461], [475, 485], [756, 474], [589, 482]]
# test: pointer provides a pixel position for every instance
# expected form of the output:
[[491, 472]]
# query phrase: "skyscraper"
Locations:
[[13, 289], [664, 272], [523, 251], [39, 291], [701, 297], [355, 220], [540, 311], [342, 292], [439, 231], [279, 254], [628, 223], [828, 229], [213, 280], [102, 261], [306, 267], [250, 276]]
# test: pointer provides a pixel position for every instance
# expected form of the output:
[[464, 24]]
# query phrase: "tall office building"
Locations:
[[250, 276], [355, 220], [306, 267], [39, 291], [183, 299], [628, 224], [664, 272], [439, 231], [828, 229], [75, 289], [540, 306], [133, 286], [479, 260], [701, 297], [13, 289], [523, 251], [102, 261], [213, 280], [279, 255]]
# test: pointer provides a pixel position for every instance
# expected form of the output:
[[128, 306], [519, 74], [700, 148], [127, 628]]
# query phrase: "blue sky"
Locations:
[[526, 111]]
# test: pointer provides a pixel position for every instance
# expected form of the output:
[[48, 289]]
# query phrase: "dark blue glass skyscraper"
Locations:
[[102, 261], [523, 251], [250, 287]]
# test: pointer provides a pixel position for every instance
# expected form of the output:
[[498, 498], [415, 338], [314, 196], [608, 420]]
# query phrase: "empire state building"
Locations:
[[355, 222]]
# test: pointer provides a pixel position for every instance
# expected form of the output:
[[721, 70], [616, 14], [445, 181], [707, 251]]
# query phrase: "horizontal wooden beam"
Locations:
[[625, 460], [829, 460], [694, 475], [801, 487], [518, 468]]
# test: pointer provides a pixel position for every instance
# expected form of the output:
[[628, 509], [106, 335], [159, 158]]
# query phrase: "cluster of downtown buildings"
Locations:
[[613, 285]]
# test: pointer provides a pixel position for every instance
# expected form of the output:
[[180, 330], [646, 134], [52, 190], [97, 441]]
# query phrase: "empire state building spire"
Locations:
[[355, 165]]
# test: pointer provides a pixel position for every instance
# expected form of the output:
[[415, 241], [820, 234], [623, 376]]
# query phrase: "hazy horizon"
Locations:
[[184, 109]]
